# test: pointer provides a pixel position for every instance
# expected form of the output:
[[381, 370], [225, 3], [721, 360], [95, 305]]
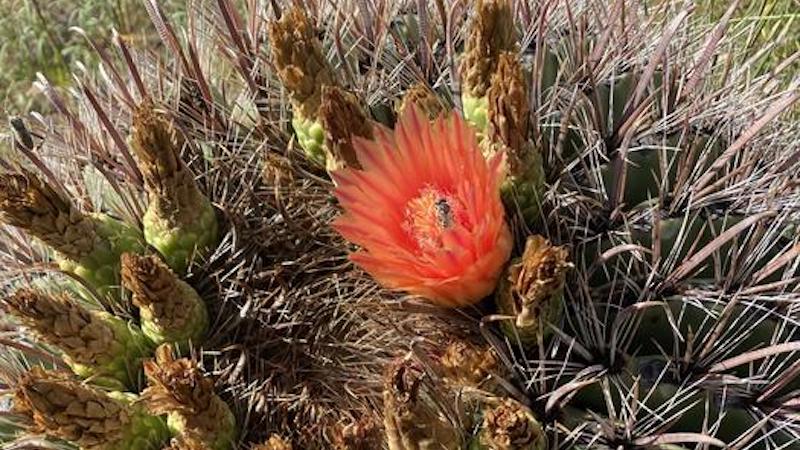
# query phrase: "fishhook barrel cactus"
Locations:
[[408, 225]]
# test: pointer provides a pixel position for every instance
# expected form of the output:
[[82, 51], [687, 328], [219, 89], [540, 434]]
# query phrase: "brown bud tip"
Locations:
[[538, 276], [509, 111], [187, 442], [511, 426], [491, 32], [176, 385], [157, 146], [363, 434], [465, 364], [274, 442], [62, 407], [423, 97], [342, 118], [29, 203], [299, 61], [150, 280], [63, 323]]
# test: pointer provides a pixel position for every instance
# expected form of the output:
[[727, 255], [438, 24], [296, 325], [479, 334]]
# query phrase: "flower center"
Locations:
[[431, 214]]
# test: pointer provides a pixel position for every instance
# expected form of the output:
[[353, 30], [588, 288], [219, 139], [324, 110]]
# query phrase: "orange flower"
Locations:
[[426, 210]]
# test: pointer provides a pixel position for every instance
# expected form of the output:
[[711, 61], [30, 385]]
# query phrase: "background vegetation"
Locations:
[[36, 36]]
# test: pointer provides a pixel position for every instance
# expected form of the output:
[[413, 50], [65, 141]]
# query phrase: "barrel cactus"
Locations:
[[409, 225]]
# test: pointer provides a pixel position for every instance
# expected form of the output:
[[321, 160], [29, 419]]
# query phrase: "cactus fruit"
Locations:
[[170, 310], [86, 245], [604, 257], [180, 221], [64, 408], [95, 343]]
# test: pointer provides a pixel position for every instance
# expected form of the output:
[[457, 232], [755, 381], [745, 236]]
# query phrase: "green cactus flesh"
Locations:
[[311, 137], [144, 431], [179, 243], [476, 112], [100, 268]]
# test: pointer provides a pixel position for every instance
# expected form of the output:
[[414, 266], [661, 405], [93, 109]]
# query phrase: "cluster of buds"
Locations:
[[325, 116], [180, 221], [86, 245]]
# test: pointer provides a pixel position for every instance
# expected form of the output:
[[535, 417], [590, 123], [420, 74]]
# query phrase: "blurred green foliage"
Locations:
[[35, 36]]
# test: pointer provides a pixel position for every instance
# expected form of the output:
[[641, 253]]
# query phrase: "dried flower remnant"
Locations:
[[490, 33], [426, 210], [509, 425], [94, 343], [87, 245], [342, 119], [170, 309], [531, 289], [466, 364], [180, 221], [95, 420], [424, 98], [362, 434], [275, 442], [303, 70], [178, 388], [411, 418]]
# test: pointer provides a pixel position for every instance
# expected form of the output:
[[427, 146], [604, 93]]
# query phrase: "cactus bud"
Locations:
[[411, 419], [303, 70], [342, 118], [531, 289], [509, 425], [64, 408], [491, 32], [180, 221], [171, 311], [509, 123], [94, 343], [179, 389], [86, 245], [184, 442], [424, 98]]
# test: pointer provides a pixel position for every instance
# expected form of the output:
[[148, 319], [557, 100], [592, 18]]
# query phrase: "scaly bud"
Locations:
[[509, 123], [86, 245], [509, 425], [184, 442], [180, 221], [171, 310], [531, 289], [342, 119], [94, 343], [303, 70], [411, 418], [179, 389], [424, 98], [465, 364], [64, 408], [491, 32]]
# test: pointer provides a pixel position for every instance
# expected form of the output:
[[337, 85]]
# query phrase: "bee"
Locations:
[[444, 212]]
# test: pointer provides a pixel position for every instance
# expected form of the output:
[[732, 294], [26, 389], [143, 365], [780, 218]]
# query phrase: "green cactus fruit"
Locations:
[[144, 431], [180, 221], [311, 137], [95, 343], [170, 309], [530, 290], [525, 191]]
